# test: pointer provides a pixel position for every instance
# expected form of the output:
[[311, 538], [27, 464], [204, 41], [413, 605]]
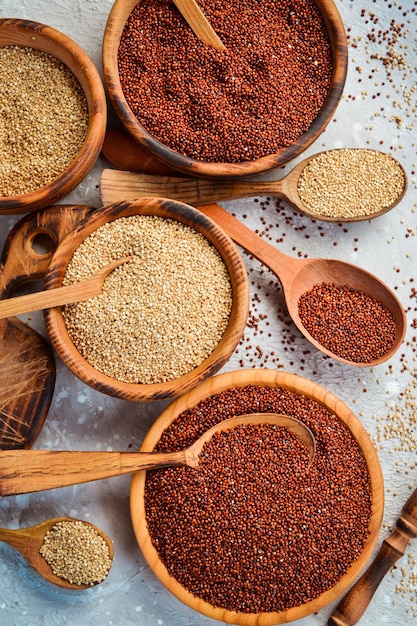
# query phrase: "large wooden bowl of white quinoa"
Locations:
[[168, 318]]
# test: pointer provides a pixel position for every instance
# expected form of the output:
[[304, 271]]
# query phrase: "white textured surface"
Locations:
[[81, 418]]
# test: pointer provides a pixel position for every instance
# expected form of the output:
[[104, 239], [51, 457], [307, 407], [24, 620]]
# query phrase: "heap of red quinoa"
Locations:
[[277, 535], [348, 322], [251, 100]]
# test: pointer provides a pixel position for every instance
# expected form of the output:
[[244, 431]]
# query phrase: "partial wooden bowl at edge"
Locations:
[[112, 35], [45, 38], [185, 214], [302, 386]]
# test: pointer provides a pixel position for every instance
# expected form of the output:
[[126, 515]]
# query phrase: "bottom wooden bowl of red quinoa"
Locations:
[[263, 541]]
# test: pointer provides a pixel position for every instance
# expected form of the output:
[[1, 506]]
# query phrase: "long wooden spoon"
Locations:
[[116, 185], [25, 471], [28, 541], [198, 22], [353, 605], [298, 276], [48, 298]]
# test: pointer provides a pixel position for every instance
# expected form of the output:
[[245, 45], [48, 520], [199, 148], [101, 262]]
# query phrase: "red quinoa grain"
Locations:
[[347, 322], [254, 98], [253, 531]]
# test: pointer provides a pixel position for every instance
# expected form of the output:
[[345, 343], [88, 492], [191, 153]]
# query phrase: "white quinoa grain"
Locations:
[[161, 314], [76, 552], [350, 182], [43, 119]]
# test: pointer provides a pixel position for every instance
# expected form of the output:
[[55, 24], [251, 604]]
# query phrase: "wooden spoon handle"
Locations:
[[198, 23], [26, 471], [78, 292], [283, 266], [118, 185], [355, 602]]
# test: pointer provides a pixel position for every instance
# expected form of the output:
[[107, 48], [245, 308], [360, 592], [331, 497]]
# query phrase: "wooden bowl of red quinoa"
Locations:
[[234, 113], [51, 141], [272, 558], [158, 332]]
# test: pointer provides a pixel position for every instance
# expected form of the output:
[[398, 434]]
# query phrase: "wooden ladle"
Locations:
[[28, 541], [25, 471], [78, 292], [198, 23], [116, 185]]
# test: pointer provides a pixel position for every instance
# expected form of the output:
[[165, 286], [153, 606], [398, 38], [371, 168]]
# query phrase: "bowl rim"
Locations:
[[65, 348], [302, 386], [119, 13], [33, 34]]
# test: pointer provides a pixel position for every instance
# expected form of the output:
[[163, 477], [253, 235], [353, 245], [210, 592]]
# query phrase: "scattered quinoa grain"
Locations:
[[76, 552], [43, 119], [161, 314]]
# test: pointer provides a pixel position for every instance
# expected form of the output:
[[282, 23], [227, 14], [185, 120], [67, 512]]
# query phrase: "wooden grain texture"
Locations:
[[28, 542], [354, 604], [66, 350], [47, 39], [117, 18], [27, 364], [118, 185], [38, 470], [296, 384]]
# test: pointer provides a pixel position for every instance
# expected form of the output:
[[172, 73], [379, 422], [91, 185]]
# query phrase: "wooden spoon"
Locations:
[[353, 605], [298, 276], [48, 298], [198, 23], [117, 185], [24, 471], [28, 541]]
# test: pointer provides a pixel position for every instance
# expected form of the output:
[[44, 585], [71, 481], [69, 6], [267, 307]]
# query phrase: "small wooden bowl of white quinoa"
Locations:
[[53, 115], [168, 318]]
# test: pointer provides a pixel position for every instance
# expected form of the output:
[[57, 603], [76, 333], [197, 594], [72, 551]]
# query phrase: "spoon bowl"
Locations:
[[28, 541], [115, 185], [25, 471]]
